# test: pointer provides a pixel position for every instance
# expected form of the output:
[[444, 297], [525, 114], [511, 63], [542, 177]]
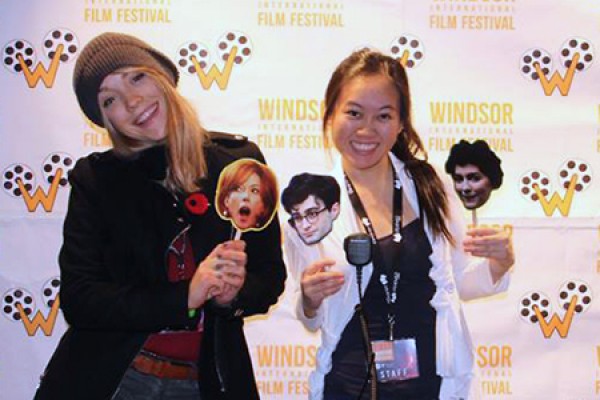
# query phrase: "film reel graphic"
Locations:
[[59, 46], [15, 173], [574, 176], [238, 40], [195, 58], [19, 180], [576, 55], [186, 53], [14, 297], [531, 300], [408, 49], [15, 50], [574, 297], [578, 170]]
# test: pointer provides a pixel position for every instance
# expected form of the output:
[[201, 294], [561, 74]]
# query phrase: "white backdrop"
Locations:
[[472, 66]]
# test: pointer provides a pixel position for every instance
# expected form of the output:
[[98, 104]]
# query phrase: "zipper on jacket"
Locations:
[[217, 358]]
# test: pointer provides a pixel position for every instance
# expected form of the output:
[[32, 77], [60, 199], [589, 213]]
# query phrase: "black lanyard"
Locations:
[[389, 278]]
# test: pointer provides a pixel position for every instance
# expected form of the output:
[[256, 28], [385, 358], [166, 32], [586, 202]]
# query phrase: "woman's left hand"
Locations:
[[231, 268], [493, 244]]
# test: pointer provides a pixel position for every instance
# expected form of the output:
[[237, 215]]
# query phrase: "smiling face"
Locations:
[[472, 186], [312, 220], [365, 122], [244, 204], [135, 106]]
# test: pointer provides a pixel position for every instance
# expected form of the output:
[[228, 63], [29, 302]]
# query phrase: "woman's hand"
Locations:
[[231, 269], [220, 275], [317, 283], [493, 244]]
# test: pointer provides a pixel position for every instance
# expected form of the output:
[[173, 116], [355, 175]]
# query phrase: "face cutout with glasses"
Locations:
[[310, 217], [312, 220]]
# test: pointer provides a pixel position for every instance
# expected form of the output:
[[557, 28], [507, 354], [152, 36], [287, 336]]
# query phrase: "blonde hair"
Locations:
[[185, 137]]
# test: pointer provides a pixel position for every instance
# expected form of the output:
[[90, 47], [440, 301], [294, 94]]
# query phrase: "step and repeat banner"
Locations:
[[522, 75]]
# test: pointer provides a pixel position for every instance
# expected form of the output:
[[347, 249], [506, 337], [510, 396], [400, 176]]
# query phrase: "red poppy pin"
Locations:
[[197, 203]]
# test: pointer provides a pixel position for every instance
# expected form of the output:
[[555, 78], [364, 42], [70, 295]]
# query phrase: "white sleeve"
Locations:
[[297, 256], [472, 274]]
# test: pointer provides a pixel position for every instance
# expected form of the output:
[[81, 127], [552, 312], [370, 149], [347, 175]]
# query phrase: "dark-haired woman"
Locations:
[[424, 263]]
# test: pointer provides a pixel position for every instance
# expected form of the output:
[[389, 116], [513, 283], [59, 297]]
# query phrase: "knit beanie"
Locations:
[[107, 53]]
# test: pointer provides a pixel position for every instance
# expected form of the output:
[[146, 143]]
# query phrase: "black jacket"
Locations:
[[114, 286]]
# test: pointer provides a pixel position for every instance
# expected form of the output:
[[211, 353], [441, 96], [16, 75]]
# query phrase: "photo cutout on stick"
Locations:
[[247, 195], [475, 170], [313, 203]]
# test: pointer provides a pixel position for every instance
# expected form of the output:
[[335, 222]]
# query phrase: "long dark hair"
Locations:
[[408, 147]]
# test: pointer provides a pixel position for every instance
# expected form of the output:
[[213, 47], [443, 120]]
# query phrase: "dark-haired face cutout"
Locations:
[[471, 185], [312, 220]]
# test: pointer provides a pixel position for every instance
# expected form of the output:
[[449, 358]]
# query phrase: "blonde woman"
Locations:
[[152, 288]]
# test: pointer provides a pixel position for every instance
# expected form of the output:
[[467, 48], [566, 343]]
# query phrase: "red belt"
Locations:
[[163, 368]]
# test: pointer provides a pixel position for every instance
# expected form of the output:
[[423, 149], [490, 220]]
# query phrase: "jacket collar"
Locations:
[[153, 162]]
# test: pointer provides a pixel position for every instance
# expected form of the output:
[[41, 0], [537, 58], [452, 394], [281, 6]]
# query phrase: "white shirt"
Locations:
[[457, 276]]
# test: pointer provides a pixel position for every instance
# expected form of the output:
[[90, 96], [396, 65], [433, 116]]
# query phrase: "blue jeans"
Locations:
[[138, 386]]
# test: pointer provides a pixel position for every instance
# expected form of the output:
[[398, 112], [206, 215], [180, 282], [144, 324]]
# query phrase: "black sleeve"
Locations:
[[92, 295]]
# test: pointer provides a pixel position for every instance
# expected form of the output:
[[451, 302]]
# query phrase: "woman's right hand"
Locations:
[[318, 283], [205, 284], [207, 281]]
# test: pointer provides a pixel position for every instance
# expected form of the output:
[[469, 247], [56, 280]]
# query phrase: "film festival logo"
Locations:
[[19, 181], [575, 297], [19, 305], [576, 55], [20, 57], [574, 176], [194, 58]]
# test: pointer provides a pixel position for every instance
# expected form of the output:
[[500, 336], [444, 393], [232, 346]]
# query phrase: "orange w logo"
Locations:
[[557, 81], [47, 76], [214, 75], [39, 197], [38, 321], [556, 202], [555, 323]]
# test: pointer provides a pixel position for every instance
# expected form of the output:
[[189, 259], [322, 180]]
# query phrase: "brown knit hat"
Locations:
[[105, 54]]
